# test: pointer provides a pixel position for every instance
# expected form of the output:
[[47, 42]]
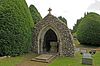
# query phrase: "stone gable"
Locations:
[[61, 30]]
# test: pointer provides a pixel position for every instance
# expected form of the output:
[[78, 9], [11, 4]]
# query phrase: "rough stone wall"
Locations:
[[66, 39]]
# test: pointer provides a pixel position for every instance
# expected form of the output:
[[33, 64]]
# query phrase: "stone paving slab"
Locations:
[[44, 56]]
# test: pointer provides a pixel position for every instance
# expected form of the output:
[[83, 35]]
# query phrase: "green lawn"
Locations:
[[11, 61], [15, 60], [97, 59], [75, 61], [59, 61]]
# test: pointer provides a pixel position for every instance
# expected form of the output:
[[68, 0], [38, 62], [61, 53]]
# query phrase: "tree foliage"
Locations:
[[63, 19], [15, 27], [88, 31], [76, 25], [35, 14]]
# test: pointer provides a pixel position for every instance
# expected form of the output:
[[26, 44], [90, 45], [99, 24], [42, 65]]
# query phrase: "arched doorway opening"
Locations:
[[50, 43]]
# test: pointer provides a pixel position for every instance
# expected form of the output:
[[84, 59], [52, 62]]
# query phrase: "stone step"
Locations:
[[45, 58], [49, 60]]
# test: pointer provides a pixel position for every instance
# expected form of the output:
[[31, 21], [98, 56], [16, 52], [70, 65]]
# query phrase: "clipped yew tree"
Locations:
[[36, 16], [15, 27], [88, 31]]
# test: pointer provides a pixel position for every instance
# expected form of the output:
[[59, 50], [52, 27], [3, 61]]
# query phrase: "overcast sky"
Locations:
[[70, 9]]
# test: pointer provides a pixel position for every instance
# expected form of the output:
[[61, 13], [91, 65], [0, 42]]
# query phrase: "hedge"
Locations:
[[15, 27]]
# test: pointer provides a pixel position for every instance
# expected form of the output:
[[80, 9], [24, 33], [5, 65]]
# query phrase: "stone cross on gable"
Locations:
[[50, 10]]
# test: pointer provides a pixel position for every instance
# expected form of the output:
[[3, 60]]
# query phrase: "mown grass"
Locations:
[[59, 61], [97, 59], [75, 61], [13, 61]]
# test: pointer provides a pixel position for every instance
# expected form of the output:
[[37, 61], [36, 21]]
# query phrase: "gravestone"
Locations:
[[92, 52], [87, 59], [83, 51], [77, 49]]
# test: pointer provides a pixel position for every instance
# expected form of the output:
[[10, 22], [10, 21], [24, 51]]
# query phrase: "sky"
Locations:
[[70, 9]]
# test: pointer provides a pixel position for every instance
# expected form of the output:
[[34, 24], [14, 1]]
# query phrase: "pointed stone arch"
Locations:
[[41, 37]]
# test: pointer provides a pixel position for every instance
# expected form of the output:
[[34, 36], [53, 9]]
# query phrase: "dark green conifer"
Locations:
[[35, 14], [15, 27]]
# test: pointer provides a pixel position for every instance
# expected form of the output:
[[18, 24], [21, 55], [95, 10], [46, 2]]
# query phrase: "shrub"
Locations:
[[15, 27], [35, 14], [88, 31]]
